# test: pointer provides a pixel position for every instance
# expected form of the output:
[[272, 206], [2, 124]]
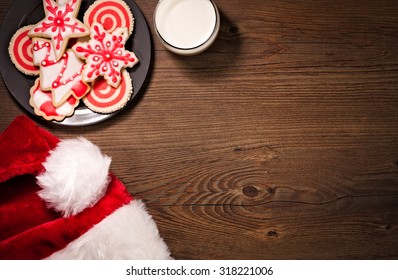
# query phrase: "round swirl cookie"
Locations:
[[112, 14], [21, 53], [106, 99]]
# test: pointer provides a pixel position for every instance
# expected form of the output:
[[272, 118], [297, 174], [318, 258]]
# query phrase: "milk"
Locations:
[[186, 26]]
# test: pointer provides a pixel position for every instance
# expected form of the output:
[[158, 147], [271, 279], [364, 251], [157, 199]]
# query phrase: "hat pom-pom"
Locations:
[[76, 176]]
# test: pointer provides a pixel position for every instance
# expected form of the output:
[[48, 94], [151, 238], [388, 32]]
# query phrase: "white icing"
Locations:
[[40, 97], [62, 2], [49, 74]]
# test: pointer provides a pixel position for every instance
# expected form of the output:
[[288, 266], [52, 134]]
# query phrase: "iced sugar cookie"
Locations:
[[20, 50], [60, 24], [41, 101], [111, 14], [103, 98], [63, 77], [105, 54]]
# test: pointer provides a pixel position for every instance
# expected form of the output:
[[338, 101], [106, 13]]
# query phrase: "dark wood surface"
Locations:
[[279, 142]]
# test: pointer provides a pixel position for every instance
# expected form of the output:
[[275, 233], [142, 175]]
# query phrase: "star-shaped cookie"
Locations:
[[105, 54], [60, 24]]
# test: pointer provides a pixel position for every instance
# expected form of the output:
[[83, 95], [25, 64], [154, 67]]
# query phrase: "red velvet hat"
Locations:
[[59, 201]]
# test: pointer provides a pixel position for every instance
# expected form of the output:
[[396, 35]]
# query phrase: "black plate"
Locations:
[[22, 13]]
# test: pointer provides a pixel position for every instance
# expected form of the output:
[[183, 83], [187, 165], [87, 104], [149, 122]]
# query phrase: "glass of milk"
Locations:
[[186, 27]]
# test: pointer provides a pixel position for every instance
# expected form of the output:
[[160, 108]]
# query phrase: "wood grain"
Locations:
[[279, 142]]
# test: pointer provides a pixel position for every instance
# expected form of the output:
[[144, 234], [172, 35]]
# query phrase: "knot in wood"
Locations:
[[233, 29], [250, 191]]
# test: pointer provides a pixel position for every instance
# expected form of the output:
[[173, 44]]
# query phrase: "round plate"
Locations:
[[22, 13]]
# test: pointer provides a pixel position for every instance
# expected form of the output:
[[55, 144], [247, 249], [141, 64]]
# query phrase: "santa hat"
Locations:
[[59, 201]]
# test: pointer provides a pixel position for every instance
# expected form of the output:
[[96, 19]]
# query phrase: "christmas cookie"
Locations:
[[112, 14], [103, 98], [63, 77], [105, 54], [20, 50], [41, 101], [60, 24]]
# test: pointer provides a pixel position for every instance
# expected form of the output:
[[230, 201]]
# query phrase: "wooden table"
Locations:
[[279, 142]]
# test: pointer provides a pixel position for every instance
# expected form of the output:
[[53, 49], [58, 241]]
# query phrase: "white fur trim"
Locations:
[[75, 176], [128, 233]]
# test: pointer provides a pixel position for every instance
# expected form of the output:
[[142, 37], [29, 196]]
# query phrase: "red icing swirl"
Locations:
[[111, 14], [21, 51]]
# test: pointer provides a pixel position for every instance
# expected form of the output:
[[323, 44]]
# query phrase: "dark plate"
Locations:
[[22, 13]]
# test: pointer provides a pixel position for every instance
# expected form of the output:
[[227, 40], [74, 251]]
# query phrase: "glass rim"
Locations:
[[213, 33]]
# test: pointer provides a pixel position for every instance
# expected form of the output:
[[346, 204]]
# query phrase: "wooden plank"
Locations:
[[279, 142]]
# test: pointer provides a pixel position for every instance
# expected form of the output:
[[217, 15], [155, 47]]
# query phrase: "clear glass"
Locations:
[[186, 27]]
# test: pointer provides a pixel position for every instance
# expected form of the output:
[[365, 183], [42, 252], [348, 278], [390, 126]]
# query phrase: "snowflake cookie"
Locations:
[[60, 24], [105, 54]]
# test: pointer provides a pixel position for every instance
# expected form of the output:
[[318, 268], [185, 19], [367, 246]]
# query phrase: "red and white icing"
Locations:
[[20, 51], [103, 98], [41, 101], [63, 77], [60, 24], [105, 54], [111, 14]]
